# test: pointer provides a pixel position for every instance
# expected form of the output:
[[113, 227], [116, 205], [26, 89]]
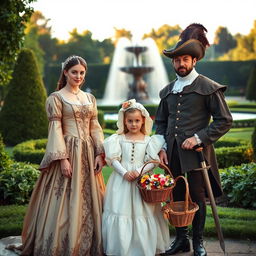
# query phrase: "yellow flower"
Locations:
[[144, 178]]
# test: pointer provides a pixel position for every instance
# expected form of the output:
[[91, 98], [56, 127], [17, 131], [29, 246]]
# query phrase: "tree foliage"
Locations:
[[23, 114], [251, 85], [13, 15], [223, 41], [121, 33], [166, 36], [245, 49]]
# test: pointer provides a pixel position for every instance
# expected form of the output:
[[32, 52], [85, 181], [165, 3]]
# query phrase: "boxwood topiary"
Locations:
[[5, 160], [23, 115]]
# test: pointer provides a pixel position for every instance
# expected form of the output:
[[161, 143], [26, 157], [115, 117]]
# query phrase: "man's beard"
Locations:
[[184, 72]]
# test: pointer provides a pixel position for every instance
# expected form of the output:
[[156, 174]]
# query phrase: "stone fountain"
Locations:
[[136, 71], [138, 87]]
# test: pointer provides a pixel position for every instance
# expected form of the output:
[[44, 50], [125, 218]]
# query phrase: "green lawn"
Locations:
[[236, 223]]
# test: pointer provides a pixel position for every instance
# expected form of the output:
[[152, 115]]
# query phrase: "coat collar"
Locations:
[[201, 85]]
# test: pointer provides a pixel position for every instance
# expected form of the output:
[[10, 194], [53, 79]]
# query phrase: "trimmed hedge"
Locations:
[[229, 152], [31, 151], [229, 142], [229, 156], [244, 123], [233, 73]]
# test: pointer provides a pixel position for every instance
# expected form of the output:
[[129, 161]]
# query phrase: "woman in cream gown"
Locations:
[[64, 213]]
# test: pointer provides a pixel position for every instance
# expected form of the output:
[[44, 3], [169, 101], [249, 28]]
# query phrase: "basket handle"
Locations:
[[155, 162], [187, 195]]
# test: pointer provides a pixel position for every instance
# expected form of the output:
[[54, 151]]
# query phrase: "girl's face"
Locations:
[[75, 75], [134, 121]]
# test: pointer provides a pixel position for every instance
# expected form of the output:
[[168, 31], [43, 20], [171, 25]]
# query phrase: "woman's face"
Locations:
[[75, 75]]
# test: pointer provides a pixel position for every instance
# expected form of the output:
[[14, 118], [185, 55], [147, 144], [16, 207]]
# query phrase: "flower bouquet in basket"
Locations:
[[155, 188]]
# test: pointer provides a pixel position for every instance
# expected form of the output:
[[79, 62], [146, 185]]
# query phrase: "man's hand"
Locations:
[[163, 157], [189, 143]]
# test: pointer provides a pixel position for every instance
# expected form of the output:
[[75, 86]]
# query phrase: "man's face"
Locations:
[[183, 64]]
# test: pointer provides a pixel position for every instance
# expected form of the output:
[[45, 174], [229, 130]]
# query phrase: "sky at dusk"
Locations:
[[140, 16]]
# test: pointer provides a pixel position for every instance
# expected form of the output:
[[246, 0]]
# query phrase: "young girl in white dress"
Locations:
[[132, 227]]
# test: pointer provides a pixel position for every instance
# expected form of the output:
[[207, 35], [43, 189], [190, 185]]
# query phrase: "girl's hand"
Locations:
[[135, 175], [98, 164], [65, 167], [131, 175]]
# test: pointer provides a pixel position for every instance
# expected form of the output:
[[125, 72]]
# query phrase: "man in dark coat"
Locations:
[[192, 111]]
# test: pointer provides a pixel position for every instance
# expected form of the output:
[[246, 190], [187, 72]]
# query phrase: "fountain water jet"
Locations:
[[117, 86]]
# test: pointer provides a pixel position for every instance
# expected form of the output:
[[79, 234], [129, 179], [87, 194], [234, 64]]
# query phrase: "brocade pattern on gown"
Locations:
[[130, 226], [64, 214]]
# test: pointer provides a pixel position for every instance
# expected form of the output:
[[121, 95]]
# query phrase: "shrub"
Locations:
[[101, 118], [239, 185], [254, 143], [31, 151], [23, 115], [244, 123], [229, 156], [111, 124], [16, 183], [229, 142], [5, 160]]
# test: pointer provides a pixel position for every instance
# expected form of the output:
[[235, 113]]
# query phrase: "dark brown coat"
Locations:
[[180, 116]]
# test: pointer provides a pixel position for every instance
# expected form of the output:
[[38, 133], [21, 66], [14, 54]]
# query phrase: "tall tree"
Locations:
[[165, 37], [13, 16], [223, 41], [121, 33], [23, 114], [251, 85], [245, 49]]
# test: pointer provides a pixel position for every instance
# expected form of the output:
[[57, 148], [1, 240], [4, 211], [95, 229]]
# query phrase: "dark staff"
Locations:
[[204, 170]]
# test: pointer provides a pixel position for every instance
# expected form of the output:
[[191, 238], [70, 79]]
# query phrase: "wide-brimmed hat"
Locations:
[[192, 42]]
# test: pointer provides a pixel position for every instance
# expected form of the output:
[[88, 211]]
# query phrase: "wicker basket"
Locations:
[[154, 195], [180, 213]]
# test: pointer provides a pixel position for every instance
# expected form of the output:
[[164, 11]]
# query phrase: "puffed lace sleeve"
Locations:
[[96, 130], [55, 148], [112, 149], [154, 146]]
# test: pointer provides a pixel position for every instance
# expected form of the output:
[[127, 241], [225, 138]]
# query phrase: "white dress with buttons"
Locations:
[[132, 227]]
